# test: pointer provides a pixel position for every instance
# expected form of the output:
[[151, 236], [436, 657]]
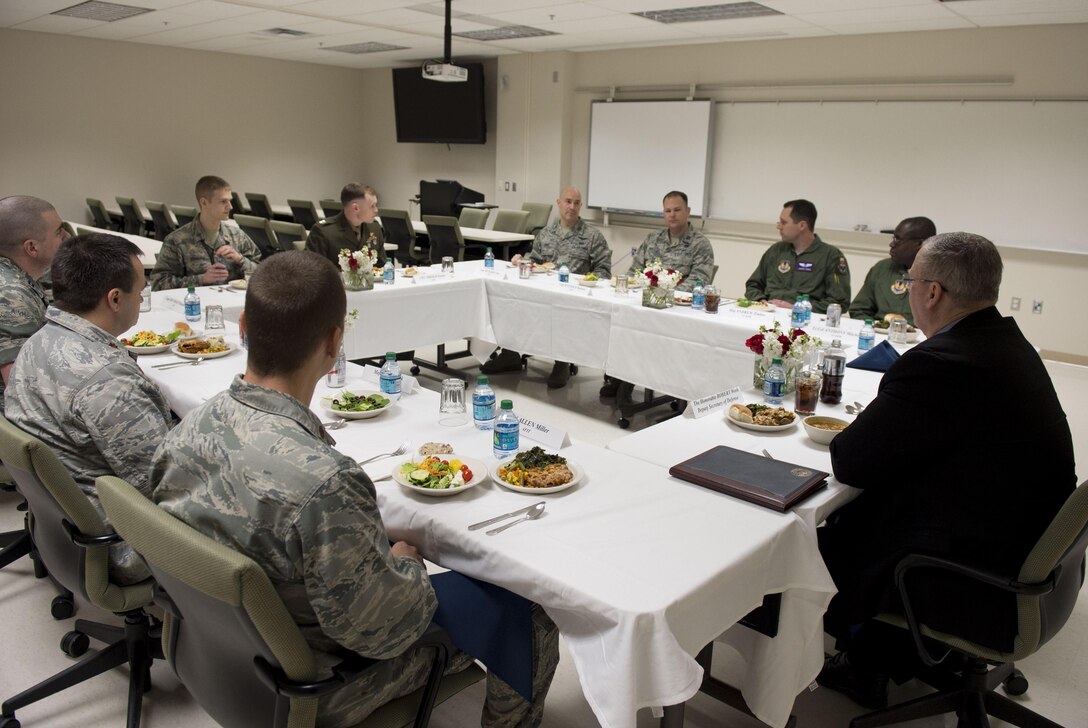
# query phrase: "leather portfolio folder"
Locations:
[[770, 483]]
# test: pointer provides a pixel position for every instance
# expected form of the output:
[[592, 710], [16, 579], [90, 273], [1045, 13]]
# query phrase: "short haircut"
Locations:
[[87, 267], [968, 266], [293, 302], [675, 193], [353, 191], [920, 228], [208, 185], [802, 210], [21, 220]]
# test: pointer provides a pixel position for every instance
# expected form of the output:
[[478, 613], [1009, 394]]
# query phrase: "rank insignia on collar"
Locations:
[[783, 266]]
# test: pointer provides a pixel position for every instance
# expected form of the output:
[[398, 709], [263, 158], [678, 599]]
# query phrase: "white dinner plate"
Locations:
[[678, 301], [144, 350], [755, 306], [479, 474], [575, 469], [326, 402], [213, 355], [588, 284], [239, 284], [762, 428]]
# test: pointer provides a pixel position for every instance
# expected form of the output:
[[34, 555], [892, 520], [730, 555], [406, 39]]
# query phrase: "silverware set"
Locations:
[[528, 513], [855, 409]]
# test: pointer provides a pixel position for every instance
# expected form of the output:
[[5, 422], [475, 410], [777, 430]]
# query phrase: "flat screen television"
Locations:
[[437, 112]]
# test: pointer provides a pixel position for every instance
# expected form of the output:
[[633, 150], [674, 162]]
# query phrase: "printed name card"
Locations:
[[846, 328], [753, 314], [549, 437], [715, 402]]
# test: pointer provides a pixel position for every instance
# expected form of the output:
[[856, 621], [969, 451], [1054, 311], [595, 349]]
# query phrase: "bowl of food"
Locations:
[[824, 429], [589, 280], [357, 405]]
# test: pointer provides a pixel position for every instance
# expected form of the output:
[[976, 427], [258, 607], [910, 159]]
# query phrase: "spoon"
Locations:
[[533, 513]]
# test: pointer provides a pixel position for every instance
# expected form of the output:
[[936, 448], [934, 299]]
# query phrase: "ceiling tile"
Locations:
[[900, 26], [57, 24], [1080, 16]]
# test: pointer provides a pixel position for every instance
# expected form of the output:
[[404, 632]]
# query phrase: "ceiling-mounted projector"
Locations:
[[445, 72]]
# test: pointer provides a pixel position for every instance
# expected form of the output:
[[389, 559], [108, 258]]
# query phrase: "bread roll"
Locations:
[[890, 316], [740, 413]]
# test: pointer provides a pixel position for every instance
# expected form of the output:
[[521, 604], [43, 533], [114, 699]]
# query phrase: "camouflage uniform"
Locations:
[[186, 253], [821, 272], [884, 291], [22, 312], [331, 235], [691, 254], [75, 389], [309, 517], [582, 247]]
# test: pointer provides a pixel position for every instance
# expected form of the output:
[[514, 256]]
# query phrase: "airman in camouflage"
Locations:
[[211, 249], [886, 288], [254, 469], [76, 389], [353, 228], [679, 246], [30, 233]]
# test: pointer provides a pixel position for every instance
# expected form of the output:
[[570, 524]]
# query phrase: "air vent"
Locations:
[[102, 12], [371, 47], [508, 32], [728, 11], [284, 33]]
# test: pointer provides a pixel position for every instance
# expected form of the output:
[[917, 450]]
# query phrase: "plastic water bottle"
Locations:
[[774, 381], [339, 373], [564, 273], [698, 297], [507, 432], [489, 260], [192, 305], [389, 272], [867, 336], [390, 375], [797, 315], [483, 404], [834, 370], [808, 309]]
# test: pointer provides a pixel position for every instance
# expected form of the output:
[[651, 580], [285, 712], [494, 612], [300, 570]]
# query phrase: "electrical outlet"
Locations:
[[1036, 306], [1015, 303], [514, 186], [505, 186]]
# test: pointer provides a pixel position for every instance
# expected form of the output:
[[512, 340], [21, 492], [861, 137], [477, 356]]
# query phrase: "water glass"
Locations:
[[213, 320], [834, 315], [451, 410], [145, 298], [525, 269], [447, 264], [621, 285], [897, 331]]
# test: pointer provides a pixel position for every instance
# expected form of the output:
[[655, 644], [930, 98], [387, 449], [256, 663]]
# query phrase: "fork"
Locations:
[[173, 364], [399, 451], [334, 425]]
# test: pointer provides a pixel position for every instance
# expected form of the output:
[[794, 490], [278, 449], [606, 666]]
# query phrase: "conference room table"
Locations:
[[148, 246], [496, 238], [639, 570]]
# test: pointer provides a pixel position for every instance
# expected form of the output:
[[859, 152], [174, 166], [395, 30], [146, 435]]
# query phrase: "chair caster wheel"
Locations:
[[62, 607], [414, 370], [674, 405], [624, 423], [573, 368], [9, 723], [74, 644], [1016, 683]]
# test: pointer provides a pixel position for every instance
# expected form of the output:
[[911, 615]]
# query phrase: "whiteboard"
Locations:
[[640, 150], [1014, 172]]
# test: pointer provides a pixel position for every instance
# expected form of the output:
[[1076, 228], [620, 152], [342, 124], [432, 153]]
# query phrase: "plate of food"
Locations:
[[761, 417], [681, 298], [185, 331], [589, 280], [409, 272], [537, 471], [357, 405], [632, 282], [539, 268], [753, 305], [212, 347], [149, 342], [439, 475], [239, 284]]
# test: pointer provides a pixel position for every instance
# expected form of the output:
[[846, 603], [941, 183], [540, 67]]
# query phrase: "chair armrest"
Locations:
[[81, 539]]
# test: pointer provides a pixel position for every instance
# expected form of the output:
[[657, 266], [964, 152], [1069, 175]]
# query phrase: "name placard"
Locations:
[[549, 437], [846, 328], [715, 402], [759, 314]]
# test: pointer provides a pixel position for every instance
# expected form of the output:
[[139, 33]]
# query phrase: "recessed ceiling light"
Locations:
[[728, 11], [102, 12], [507, 32]]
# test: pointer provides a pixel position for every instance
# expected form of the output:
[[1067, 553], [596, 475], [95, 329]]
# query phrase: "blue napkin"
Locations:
[[489, 623], [878, 359]]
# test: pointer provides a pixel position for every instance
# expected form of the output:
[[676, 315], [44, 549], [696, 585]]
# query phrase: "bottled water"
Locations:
[[698, 297], [389, 272], [774, 381], [797, 315], [483, 404], [834, 371], [390, 376], [338, 374], [489, 260], [507, 431], [564, 273], [867, 336], [808, 309], [192, 305]]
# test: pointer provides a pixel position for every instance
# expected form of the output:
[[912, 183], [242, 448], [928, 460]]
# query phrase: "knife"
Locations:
[[503, 517]]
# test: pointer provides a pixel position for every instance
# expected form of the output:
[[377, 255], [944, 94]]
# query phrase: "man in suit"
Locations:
[[965, 453], [352, 228]]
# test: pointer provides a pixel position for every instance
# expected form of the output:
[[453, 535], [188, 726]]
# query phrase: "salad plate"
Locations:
[[416, 475], [357, 414]]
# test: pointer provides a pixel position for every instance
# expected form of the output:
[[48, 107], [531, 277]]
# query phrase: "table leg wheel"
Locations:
[[414, 370], [573, 368], [624, 423], [675, 405]]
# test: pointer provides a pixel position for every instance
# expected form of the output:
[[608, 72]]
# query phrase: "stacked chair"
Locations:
[[260, 231], [160, 215]]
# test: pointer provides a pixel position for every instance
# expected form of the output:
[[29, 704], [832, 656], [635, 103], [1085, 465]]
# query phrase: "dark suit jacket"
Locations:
[[966, 453], [331, 235]]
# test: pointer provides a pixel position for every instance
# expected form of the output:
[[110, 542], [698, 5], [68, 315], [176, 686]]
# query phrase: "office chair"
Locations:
[[134, 221], [304, 212], [260, 232], [511, 221], [473, 217], [331, 207], [236, 205], [399, 231], [184, 214], [164, 225], [101, 216], [230, 638], [539, 214], [445, 235], [1046, 589], [289, 234], [73, 543], [258, 205]]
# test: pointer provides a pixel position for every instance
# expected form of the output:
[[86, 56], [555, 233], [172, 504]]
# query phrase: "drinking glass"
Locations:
[[621, 285], [525, 269], [897, 331], [713, 299], [447, 264], [807, 391], [451, 409], [213, 320], [145, 298]]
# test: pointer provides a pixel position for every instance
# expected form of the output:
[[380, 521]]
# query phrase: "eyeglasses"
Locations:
[[927, 280]]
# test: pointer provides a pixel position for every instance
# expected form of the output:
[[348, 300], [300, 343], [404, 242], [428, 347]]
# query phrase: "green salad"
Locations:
[[348, 402]]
